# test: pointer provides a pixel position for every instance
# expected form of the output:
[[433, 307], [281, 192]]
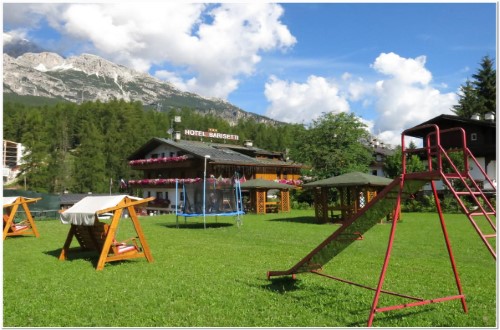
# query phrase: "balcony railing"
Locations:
[[212, 181], [162, 182], [218, 182], [161, 160]]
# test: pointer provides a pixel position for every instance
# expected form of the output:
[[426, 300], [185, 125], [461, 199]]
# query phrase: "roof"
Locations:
[[383, 151], [266, 184], [448, 121], [69, 199], [246, 150], [350, 179], [219, 153]]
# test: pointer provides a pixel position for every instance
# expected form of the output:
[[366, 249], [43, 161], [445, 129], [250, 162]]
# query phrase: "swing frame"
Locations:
[[9, 218], [104, 250]]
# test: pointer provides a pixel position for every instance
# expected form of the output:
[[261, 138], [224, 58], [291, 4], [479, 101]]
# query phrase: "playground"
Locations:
[[216, 277], [211, 274]]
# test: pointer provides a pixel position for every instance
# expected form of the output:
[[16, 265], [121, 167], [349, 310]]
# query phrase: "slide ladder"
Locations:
[[473, 200], [453, 159]]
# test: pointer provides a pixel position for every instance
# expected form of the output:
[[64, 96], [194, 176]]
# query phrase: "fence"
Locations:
[[46, 208]]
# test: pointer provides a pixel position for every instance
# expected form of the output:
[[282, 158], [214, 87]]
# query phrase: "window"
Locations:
[[473, 137], [374, 172], [149, 194], [159, 195], [154, 155], [172, 154]]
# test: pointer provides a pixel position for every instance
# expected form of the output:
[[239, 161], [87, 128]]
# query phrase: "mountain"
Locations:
[[90, 78]]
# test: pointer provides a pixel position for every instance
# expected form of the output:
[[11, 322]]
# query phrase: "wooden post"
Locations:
[[67, 243], [140, 234], [29, 217]]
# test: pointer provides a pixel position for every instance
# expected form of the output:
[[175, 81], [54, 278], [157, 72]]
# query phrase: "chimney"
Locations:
[[489, 116], [475, 116], [177, 136]]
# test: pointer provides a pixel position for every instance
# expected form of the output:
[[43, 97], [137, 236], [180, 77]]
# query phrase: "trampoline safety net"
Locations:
[[212, 197]]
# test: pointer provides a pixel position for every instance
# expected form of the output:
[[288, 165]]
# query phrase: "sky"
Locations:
[[394, 65]]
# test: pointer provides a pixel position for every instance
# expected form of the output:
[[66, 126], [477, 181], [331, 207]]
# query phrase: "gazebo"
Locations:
[[258, 195], [355, 189]]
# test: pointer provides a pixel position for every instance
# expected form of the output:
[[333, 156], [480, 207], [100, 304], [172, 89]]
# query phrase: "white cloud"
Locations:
[[302, 102], [216, 45], [14, 35], [406, 71], [358, 89], [402, 98], [8, 37], [406, 98], [172, 78]]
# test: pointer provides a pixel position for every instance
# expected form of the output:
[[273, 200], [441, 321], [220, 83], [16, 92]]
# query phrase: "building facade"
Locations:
[[12, 159], [380, 154], [166, 163], [480, 137]]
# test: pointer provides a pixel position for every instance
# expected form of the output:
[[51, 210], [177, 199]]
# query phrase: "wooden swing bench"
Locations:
[[93, 238], [24, 227], [15, 228], [100, 236]]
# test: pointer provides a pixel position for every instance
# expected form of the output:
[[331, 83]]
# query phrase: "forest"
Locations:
[[82, 147]]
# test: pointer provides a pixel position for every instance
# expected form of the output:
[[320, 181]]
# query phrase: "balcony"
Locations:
[[161, 182], [212, 182], [152, 163]]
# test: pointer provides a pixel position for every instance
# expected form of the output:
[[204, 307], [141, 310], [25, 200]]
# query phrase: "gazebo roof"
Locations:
[[266, 184], [349, 180]]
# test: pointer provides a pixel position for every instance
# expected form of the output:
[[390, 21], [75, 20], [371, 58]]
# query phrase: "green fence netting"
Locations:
[[46, 208]]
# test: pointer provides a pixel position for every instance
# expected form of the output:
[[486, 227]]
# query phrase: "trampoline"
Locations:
[[212, 197]]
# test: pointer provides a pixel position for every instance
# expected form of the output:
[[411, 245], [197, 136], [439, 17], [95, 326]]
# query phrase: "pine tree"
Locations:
[[485, 85], [468, 102], [35, 161], [479, 95], [89, 166]]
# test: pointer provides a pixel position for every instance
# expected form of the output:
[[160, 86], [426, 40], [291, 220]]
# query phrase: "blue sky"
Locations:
[[392, 64]]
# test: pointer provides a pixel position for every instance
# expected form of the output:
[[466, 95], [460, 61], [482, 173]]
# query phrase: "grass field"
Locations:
[[216, 277]]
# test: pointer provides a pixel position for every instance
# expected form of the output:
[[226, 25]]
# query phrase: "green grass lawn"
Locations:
[[217, 277]]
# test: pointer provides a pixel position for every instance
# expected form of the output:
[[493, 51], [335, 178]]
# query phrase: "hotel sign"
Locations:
[[212, 133]]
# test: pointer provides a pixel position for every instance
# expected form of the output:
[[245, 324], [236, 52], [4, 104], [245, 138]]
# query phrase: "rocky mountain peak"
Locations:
[[40, 61], [89, 77]]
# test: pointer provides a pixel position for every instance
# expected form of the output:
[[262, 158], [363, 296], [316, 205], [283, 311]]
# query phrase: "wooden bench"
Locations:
[[93, 238]]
